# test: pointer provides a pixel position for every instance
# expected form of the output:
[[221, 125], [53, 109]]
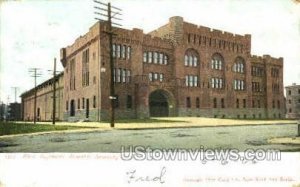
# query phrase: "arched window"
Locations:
[[191, 58], [217, 62], [239, 65]]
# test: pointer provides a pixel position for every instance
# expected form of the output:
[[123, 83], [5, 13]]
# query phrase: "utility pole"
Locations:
[[15, 90], [108, 9], [36, 74], [54, 93]]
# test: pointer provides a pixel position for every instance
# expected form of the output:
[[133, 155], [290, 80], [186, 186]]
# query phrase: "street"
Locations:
[[239, 137]]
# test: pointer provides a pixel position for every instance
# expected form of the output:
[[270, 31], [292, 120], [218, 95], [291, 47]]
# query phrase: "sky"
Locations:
[[33, 31]]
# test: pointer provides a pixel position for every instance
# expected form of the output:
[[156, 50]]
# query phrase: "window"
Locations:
[[94, 101], [123, 75], [258, 103], [237, 103], [186, 60], [257, 71], [123, 51], [239, 65], [239, 85], [217, 83], [151, 76], [78, 103], [256, 87], [191, 58], [290, 110], [273, 104], [278, 104], [290, 92], [145, 57], [222, 103], [161, 77], [274, 72], [165, 59], [197, 102], [83, 103], [67, 105], [118, 75], [253, 103], [244, 103], [191, 80], [217, 62], [129, 101], [215, 102], [188, 102], [128, 76], [149, 57], [128, 52], [118, 51], [155, 56], [116, 101], [85, 68], [161, 58], [72, 74], [114, 50]]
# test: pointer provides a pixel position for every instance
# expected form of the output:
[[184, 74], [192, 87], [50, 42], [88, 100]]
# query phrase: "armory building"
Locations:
[[179, 69]]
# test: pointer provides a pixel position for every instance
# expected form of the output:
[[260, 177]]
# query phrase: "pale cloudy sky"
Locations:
[[33, 31]]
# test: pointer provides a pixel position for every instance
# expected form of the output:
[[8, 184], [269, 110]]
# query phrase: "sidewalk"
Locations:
[[174, 122], [286, 140]]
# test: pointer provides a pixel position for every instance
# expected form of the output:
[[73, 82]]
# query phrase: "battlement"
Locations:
[[203, 30]]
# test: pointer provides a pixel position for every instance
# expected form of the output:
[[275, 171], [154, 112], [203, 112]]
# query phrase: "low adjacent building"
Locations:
[[293, 101], [44, 101]]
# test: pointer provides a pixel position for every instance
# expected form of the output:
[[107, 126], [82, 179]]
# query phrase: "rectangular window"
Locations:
[[118, 75], [123, 51], [67, 105], [83, 103], [237, 103], [114, 50], [188, 102], [155, 76], [258, 103], [145, 57], [149, 57], [273, 104], [151, 76], [128, 52], [244, 103], [195, 81], [118, 51], [278, 104], [215, 103], [190, 61], [186, 60], [129, 101], [128, 76], [165, 59], [187, 80], [94, 101], [123, 75], [197, 102], [78, 103], [161, 58], [222, 103], [161, 77], [155, 56]]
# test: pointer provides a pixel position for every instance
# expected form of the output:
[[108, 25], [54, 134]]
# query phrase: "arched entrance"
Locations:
[[159, 102]]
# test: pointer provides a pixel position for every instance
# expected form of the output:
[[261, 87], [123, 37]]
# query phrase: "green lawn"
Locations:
[[21, 128]]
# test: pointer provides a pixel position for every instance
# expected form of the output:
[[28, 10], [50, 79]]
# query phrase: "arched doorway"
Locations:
[[159, 103]]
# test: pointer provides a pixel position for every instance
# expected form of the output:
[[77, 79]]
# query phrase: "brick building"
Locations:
[[179, 69], [44, 101], [293, 101]]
